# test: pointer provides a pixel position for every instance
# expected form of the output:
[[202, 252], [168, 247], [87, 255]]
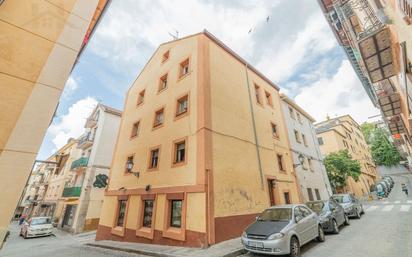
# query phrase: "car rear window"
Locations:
[[278, 214], [317, 206], [342, 198], [40, 221]]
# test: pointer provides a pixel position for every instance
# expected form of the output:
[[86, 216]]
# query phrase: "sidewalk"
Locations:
[[229, 248]]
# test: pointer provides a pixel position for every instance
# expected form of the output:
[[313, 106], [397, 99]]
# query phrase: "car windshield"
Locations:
[[40, 221], [342, 198], [317, 207], [278, 214]]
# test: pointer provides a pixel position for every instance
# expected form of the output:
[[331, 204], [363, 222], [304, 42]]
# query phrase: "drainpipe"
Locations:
[[254, 127]]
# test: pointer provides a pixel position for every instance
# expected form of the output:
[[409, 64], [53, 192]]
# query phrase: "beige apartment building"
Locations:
[[40, 42], [376, 35], [202, 149], [342, 133]]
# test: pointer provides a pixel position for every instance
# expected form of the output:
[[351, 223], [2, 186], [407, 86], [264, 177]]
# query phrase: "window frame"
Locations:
[[132, 134], [280, 163], [174, 152], [120, 230], [297, 136], [276, 134], [287, 192], [310, 194], [268, 97], [291, 113], [166, 56], [177, 233], [164, 77], [181, 68], [154, 125], [305, 142], [149, 163], [258, 97], [141, 231], [141, 97], [185, 113]]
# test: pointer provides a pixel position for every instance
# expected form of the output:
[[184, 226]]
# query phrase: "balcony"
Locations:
[[90, 123], [72, 191], [380, 54], [85, 141], [79, 163]]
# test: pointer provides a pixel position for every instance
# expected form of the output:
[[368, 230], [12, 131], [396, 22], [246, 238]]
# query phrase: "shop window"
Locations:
[[121, 213], [176, 213], [147, 213]]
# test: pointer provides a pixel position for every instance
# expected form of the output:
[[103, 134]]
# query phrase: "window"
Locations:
[[280, 162], [184, 68], [182, 105], [320, 140], [268, 98], [165, 56], [287, 197], [310, 164], [274, 130], [257, 94], [121, 213], [176, 214], [304, 140], [129, 160], [162, 83], [147, 213], [297, 136], [310, 194], [304, 164], [154, 158], [135, 129], [159, 118], [317, 194], [291, 113], [299, 118], [180, 152], [140, 97]]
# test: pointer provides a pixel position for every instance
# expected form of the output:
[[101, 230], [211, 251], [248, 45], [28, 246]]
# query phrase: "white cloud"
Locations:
[[71, 124], [71, 86], [337, 95]]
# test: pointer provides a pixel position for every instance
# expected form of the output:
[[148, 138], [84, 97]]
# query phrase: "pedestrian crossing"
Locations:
[[389, 206]]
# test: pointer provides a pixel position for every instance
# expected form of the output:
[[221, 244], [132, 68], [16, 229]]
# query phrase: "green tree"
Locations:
[[383, 151], [367, 130], [339, 166]]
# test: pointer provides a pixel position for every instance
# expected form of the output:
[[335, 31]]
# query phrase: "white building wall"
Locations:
[[315, 178]]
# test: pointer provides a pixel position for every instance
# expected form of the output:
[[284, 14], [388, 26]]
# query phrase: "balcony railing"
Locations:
[[72, 191], [82, 162], [85, 141]]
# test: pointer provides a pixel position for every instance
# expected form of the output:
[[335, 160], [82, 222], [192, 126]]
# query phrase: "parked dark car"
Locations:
[[282, 229], [351, 205], [331, 214]]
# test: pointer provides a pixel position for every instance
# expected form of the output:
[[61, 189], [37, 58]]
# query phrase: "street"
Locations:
[[384, 231]]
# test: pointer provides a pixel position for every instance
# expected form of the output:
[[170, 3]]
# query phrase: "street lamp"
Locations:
[[129, 167], [301, 159]]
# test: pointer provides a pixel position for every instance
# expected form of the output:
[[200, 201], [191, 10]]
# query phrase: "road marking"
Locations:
[[405, 208], [386, 202], [397, 202], [409, 201], [387, 208], [372, 208]]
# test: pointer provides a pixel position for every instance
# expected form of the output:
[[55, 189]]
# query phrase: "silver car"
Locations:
[[351, 205], [282, 229], [37, 226]]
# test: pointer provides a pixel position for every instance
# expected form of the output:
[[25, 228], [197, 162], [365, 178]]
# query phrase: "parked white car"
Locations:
[[282, 229], [37, 226]]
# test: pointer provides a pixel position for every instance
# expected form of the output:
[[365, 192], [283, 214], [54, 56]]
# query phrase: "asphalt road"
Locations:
[[384, 231]]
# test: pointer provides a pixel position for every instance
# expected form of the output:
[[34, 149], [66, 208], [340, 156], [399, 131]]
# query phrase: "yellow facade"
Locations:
[[343, 133], [39, 43], [220, 182]]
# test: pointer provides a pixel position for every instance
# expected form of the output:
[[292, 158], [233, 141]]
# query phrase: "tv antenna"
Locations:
[[175, 35]]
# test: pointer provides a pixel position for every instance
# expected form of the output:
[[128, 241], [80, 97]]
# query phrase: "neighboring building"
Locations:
[[65, 156], [202, 149], [40, 42], [311, 174], [377, 38], [342, 133], [83, 193]]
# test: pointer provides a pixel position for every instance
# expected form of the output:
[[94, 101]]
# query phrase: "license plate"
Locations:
[[256, 244]]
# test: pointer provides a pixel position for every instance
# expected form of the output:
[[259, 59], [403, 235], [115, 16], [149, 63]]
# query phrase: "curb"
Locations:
[[156, 254]]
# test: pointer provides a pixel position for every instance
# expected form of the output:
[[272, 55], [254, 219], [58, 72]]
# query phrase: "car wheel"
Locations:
[[335, 227], [294, 247], [321, 234], [25, 235], [362, 210], [347, 223]]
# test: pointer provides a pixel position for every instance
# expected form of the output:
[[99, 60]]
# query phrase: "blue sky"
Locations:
[[295, 48]]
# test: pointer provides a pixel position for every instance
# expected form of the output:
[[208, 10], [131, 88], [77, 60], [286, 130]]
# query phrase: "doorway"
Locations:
[[272, 199], [69, 215]]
